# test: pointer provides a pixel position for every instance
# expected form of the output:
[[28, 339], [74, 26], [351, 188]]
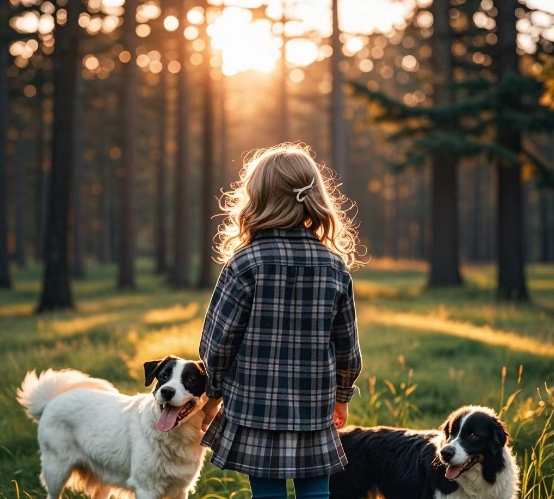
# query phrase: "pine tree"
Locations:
[[56, 290], [444, 257], [511, 274], [180, 272], [129, 112], [5, 37], [208, 166], [493, 110]]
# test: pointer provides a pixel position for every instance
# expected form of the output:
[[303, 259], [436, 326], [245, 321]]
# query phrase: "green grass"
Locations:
[[425, 353]]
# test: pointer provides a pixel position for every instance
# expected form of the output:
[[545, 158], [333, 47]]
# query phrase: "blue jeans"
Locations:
[[304, 488]]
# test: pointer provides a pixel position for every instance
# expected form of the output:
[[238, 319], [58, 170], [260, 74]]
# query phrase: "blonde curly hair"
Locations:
[[265, 198]]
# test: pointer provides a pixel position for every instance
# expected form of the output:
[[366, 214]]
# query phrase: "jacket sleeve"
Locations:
[[347, 346], [223, 329]]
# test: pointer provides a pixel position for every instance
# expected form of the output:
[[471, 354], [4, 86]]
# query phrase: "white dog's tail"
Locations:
[[37, 392]]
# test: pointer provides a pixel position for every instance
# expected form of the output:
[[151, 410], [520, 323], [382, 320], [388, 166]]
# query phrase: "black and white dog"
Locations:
[[99, 441], [469, 458]]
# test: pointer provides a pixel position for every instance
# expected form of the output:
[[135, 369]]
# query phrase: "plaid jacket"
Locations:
[[280, 340]]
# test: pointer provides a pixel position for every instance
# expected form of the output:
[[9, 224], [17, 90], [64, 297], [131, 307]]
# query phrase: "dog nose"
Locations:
[[447, 454], [167, 392]]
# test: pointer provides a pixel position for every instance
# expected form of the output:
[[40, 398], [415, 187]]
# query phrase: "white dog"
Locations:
[[99, 441]]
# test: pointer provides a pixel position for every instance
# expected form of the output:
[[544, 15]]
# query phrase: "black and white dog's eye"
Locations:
[[188, 381], [164, 377], [472, 435]]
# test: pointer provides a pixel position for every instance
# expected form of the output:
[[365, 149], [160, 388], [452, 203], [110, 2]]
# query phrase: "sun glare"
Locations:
[[242, 38], [248, 43], [245, 44]]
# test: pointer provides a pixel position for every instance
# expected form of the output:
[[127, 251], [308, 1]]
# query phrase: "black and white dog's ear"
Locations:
[[445, 428], [201, 366], [499, 436], [152, 368]]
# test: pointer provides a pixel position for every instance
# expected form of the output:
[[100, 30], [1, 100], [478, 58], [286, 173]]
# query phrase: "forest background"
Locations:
[[122, 120]]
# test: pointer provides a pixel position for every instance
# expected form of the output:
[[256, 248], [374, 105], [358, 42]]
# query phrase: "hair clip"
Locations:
[[302, 189]]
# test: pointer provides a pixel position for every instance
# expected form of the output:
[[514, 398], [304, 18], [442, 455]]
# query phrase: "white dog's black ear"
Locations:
[[152, 368]]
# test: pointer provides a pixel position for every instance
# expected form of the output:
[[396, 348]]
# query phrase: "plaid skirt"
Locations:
[[272, 453]]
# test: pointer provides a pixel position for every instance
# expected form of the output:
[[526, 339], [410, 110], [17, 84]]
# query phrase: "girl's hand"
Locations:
[[210, 410], [341, 414]]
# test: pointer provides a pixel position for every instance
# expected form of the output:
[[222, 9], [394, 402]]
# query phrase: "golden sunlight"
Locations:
[[244, 43], [248, 43]]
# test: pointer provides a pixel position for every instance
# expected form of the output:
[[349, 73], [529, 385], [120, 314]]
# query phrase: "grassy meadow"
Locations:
[[425, 354]]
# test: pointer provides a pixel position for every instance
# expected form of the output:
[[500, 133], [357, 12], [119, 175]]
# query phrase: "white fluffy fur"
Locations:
[[94, 439]]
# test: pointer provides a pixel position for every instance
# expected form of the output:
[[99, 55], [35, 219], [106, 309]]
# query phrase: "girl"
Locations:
[[279, 340]]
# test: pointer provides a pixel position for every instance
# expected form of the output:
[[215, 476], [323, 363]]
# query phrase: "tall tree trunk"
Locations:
[[208, 174], [107, 179], [544, 226], [388, 219], [423, 218], [19, 175], [78, 215], [46, 182], [182, 215], [489, 239], [282, 99], [511, 283], [444, 184], [56, 289], [223, 135], [5, 280], [41, 176], [110, 206], [129, 113], [393, 218], [338, 135], [476, 214], [106, 212], [161, 189], [208, 191]]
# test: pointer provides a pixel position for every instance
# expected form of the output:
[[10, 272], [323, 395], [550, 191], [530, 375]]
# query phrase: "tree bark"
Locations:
[[129, 111], [161, 188], [208, 173], [423, 218], [511, 283], [476, 214], [223, 135], [338, 135], [41, 176], [444, 252], [46, 182], [544, 226], [19, 175], [5, 280], [56, 289], [182, 215], [110, 221], [107, 175], [282, 99], [78, 215]]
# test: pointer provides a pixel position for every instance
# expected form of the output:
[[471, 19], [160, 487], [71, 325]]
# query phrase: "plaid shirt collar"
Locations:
[[298, 231]]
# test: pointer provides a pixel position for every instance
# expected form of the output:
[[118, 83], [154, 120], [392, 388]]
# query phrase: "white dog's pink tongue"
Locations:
[[168, 418], [453, 472]]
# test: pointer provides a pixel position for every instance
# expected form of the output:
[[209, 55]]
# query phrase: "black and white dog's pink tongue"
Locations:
[[453, 472], [168, 418]]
